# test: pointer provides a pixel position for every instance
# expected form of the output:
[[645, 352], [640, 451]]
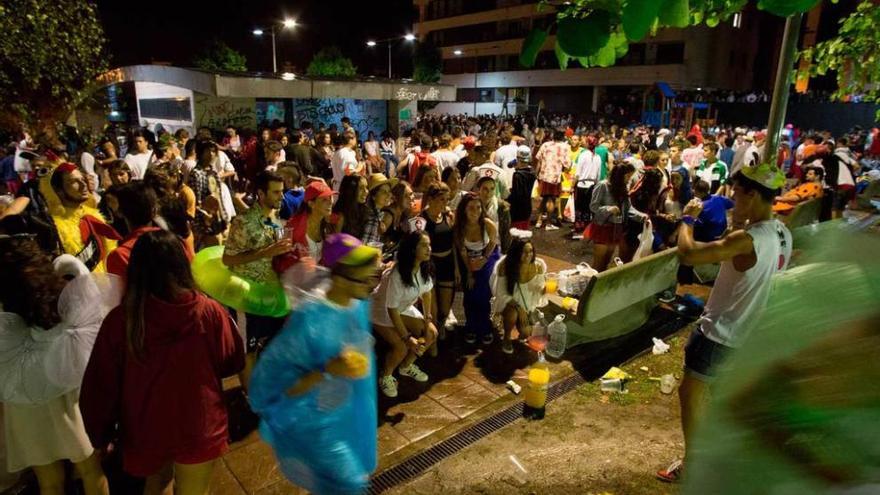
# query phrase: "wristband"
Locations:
[[688, 220]]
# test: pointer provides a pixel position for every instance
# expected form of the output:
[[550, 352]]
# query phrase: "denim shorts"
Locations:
[[704, 358]]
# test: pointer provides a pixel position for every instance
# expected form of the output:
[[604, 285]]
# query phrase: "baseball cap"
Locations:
[[317, 189], [347, 250], [524, 154]]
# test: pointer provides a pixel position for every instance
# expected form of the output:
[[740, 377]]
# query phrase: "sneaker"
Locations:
[[507, 347], [671, 474], [470, 337], [388, 385], [413, 372], [451, 322], [550, 226], [487, 339]]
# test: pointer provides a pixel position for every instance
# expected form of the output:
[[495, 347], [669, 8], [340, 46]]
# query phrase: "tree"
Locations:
[[598, 32], [330, 62], [50, 52], [852, 54], [427, 63], [218, 56]]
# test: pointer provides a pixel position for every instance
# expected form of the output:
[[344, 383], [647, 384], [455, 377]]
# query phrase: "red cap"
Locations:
[[469, 142], [317, 189], [65, 168]]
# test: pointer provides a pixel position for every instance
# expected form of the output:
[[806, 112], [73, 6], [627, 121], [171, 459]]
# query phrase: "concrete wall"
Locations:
[[642, 75], [216, 112], [457, 108]]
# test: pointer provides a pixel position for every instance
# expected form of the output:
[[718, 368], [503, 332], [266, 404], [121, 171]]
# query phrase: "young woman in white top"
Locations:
[[518, 286], [476, 238], [397, 320], [47, 329]]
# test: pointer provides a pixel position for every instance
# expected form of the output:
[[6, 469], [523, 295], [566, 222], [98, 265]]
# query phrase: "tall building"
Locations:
[[481, 40]]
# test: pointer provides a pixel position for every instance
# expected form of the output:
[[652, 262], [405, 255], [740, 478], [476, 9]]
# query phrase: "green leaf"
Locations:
[[561, 57], [675, 13], [585, 36], [712, 21], [638, 16], [584, 61], [531, 46], [785, 8], [605, 57]]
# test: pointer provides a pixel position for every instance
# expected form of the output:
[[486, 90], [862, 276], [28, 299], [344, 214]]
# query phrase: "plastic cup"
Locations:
[[551, 284]]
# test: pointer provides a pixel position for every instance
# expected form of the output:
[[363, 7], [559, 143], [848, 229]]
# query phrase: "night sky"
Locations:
[[175, 31]]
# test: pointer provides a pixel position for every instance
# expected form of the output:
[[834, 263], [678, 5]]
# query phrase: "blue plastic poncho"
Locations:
[[325, 439]]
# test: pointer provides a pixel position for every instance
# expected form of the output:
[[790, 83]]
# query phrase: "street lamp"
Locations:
[[285, 24], [390, 41]]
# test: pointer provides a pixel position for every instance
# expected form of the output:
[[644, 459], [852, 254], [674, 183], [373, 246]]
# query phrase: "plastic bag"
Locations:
[[646, 241], [568, 211], [325, 438], [660, 347], [574, 281]]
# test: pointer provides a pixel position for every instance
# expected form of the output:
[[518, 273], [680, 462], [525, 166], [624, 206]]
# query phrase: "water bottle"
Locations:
[[538, 339], [558, 334]]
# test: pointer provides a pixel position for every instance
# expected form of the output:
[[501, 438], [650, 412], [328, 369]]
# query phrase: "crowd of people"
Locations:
[[102, 234]]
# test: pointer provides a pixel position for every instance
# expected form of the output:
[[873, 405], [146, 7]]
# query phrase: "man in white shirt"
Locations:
[[505, 158], [749, 258], [444, 155], [140, 160], [344, 160]]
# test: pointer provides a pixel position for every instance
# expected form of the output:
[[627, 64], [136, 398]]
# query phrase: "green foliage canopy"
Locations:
[[50, 52], [330, 62], [218, 56]]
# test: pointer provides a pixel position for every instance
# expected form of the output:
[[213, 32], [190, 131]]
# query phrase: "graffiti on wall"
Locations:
[[269, 111], [365, 115], [217, 113]]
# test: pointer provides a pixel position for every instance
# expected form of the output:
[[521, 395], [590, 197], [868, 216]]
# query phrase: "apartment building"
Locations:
[[481, 39]]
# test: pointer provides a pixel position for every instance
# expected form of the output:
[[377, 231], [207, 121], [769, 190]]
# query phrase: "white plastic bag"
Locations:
[[574, 281], [646, 241], [660, 347], [568, 211]]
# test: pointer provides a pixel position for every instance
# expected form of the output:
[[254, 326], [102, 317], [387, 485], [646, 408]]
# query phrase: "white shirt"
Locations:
[[587, 168], [222, 163], [392, 293], [445, 159], [343, 162], [738, 298], [502, 159], [138, 163]]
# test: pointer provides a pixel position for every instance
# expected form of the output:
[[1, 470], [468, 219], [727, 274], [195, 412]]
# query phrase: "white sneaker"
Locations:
[[550, 226], [451, 321], [388, 385], [413, 372]]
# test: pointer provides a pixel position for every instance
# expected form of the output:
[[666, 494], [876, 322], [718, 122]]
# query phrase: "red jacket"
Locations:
[[170, 406]]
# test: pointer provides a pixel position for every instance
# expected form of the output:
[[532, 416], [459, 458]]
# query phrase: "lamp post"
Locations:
[[390, 41], [458, 53], [286, 24]]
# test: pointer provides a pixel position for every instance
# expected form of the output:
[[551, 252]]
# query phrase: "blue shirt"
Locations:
[[290, 203], [713, 219], [7, 168], [726, 155]]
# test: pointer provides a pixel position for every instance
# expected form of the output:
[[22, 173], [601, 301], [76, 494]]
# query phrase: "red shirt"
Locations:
[[169, 407], [117, 260]]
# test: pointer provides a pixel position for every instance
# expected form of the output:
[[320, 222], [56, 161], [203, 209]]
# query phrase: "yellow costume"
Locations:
[[82, 230]]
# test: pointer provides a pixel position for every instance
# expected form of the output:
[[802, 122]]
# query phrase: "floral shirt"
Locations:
[[250, 231], [554, 158]]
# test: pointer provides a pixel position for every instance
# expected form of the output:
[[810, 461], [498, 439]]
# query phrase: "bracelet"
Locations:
[[688, 220]]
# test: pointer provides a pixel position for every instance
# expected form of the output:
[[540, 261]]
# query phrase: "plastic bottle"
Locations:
[[536, 391], [538, 339], [558, 334]]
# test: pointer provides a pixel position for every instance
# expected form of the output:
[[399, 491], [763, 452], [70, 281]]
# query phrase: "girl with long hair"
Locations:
[[476, 239], [452, 178], [156, 371], [311, 224], [378, 199], [406, 329], [611, 209], [395, 218], [350, 210], [47, 328], [518, 287], [439, 225]]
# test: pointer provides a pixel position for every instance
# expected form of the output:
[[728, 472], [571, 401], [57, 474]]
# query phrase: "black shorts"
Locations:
[[260, 330], [444, 268], [842, 196], [703, 357]]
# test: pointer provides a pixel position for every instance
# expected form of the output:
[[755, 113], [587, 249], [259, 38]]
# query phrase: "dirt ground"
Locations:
[[590, 442]]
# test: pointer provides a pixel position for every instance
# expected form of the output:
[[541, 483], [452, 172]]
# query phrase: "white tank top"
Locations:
[[738, 297]]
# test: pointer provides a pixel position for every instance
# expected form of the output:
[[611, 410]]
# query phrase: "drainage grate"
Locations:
[[421, 462], [424, 460]]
